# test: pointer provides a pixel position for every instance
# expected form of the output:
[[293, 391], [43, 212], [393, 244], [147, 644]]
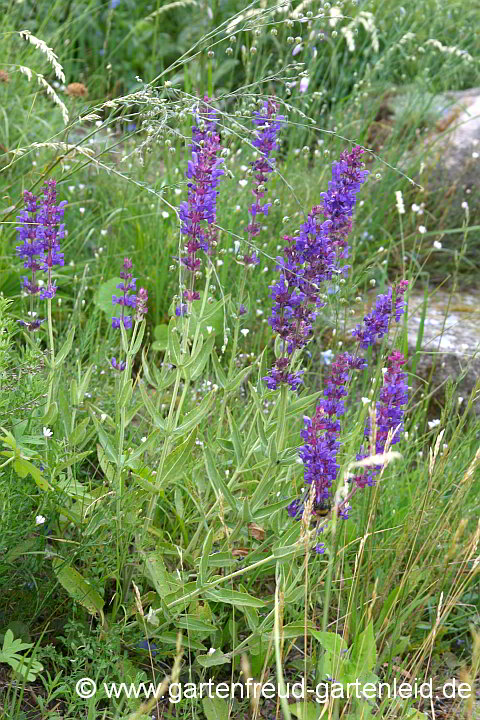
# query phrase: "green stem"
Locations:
[[51, 349]]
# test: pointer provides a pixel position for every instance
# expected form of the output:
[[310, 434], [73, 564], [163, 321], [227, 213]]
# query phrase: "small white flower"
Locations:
[[242, 183], [81, 186], [475, 155], [236, 245], [71, 188], [143, 439], [219, 263], [259, 312], [165, 215], [178, 191], [47, 432], [103, 232], [103, 416], [400, 203], [437, 245], [415, 207], [245, 332], [211, 651], [422, 229], [82, 210], [209, 329], [39, 520], [459, 400], [433, 423], [366, 400]]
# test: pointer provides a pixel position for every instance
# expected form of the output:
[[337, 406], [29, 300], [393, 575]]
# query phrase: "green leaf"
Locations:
[[364, 651], [216, 480], [215, 708], [161, 338], [103, 297], [235, 435], [216, 658], [203, 569], [139, 338], [24, 467], [194, 623], [176, 460], [77, 587], [10, 654], [174, 345], [158, 420], [219, 372], [202, 356], [125, 394], [195, 416], [157, 573], [306, 711], [233, 597], [143, 447], [239, 378], [65, 349], [330, 641], [79, 432]]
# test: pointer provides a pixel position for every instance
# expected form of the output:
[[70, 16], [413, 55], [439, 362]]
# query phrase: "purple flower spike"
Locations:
[[40, 230], [376, 324], [389, 413], [269, 124], [204, 173], [127, 300], [314, 257]]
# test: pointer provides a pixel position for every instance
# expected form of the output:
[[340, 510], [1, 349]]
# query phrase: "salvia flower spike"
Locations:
[[40, 231], [204, 173], [310, 260]]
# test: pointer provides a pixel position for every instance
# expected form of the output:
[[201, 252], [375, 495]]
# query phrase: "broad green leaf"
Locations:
[[125, 394], [196, 416], [79, 432], [174, 345], [216, 658], [103, 297], [142, 447], [307, 711], [10, 654], [215, 708], [24, 467], [176, 460], [219, 372], [233, 597], [77, 587], [218, 484], [139, 338], [169, 637], [238, 379], [65, 349], [194, 623], [161, 337], [201, 358], [330, 641], [158, 420], [158, 574], [364, 650]]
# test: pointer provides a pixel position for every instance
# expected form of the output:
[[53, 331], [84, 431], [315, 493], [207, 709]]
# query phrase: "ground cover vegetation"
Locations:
[[218, 463]]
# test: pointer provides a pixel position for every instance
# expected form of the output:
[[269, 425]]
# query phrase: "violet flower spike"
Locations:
[[269, 124], [40, 233], [204, 172], [127, 300], [310, 260]]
